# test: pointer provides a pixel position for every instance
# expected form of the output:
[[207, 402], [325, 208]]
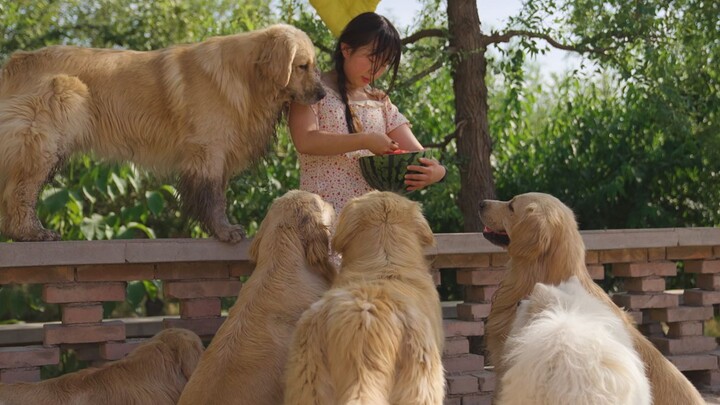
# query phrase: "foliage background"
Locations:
[[635, 145]]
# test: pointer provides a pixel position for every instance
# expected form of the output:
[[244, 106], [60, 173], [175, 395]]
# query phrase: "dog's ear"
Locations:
[[182, 349], [531, 235], [543, 296], [427, 238], [316, 243], [572, 286], [189, 353], [278, 56]]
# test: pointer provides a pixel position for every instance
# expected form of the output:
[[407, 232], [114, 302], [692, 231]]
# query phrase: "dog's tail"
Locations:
[[364, 335]]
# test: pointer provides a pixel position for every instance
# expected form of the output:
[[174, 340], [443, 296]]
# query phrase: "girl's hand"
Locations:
[[430, 172], [379, 144]]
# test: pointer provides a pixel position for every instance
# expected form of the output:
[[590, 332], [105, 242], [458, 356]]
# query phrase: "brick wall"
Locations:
[[80, 276]]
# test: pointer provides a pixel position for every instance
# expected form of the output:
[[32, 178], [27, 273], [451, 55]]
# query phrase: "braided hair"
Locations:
[[365, 29]]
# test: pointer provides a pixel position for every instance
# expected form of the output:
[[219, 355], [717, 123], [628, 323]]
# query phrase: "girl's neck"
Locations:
[[353, 93]]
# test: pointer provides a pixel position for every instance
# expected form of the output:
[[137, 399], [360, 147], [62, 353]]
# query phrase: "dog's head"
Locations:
[[297, 217], [527, 225], [288, 61], [388, 218]]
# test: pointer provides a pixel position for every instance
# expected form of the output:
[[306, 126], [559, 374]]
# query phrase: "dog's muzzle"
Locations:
[[496, 238]]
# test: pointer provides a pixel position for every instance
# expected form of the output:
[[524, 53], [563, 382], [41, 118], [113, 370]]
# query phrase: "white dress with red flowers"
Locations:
[[337, 178]]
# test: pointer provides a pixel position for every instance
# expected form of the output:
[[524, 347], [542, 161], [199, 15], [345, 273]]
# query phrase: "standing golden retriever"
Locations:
[[567, 347], [245, 361], [202, 111], [376, 337], [544, 245], [154, 373]]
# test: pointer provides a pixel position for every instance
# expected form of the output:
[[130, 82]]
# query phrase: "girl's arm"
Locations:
[[431, 170], [405, 138], [311, 141]]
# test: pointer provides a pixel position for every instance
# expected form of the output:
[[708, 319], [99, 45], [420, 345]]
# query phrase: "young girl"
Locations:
[[354, 119]]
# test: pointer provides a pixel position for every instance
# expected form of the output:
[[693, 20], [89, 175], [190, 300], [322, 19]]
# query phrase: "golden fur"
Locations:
[[245, 361], [154, 373], [546, 247], [376, 337], [202, 112]]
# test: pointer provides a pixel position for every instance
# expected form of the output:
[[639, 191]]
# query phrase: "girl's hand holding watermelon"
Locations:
[[429, 173]]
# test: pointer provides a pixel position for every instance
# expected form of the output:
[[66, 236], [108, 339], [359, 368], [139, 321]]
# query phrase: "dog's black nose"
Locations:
[[481, 205]]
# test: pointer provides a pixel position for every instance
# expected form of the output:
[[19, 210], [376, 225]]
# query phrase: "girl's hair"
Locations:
[[367, 29]]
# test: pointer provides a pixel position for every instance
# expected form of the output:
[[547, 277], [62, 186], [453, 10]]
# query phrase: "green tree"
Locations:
[[608, 153], [638, 148], [662, 50]]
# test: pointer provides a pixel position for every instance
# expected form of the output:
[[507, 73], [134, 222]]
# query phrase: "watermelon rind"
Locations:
[[387, 172]]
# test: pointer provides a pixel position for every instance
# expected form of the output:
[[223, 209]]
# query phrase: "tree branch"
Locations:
[[435, 66], [448, 138], [324, 48], [427, 33], [497, 38]]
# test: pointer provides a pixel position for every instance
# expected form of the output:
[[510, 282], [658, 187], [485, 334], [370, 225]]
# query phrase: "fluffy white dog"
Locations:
[[568, 347]]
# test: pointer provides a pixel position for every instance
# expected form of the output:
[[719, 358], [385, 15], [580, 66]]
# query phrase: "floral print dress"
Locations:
[[337, 178]]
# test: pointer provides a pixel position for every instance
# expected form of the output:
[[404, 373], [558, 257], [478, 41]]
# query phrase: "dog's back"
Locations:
[[70, 60], [376, 337], [155, 372], [566, 347], [245, 361], [202, 112]]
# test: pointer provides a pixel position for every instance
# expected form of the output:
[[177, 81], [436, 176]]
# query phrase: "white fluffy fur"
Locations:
[[568, 348]]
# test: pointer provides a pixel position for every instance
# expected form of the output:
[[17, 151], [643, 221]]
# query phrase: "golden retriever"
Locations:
[[154, 373], [567, 347], [545, 246], [245, 361], [376, 337], [203, 112]]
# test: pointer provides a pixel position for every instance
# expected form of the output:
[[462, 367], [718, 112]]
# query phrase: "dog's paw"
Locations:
[[231, 234]]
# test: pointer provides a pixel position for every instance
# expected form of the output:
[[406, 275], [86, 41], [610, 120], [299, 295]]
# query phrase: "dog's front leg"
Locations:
[[20, 221], [204, 199]]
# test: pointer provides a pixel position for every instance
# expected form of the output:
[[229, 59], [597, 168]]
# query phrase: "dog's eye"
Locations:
[[305, 66]]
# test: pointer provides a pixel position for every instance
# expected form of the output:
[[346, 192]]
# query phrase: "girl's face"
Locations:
[[359, 64]]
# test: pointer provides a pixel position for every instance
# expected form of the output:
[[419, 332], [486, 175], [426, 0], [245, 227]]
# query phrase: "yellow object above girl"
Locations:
[[337, 13]]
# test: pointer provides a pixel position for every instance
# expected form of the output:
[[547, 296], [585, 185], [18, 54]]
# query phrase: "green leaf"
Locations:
[[152, 288], [55, 199], [129, 232], [155, 201], [135, 293]]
